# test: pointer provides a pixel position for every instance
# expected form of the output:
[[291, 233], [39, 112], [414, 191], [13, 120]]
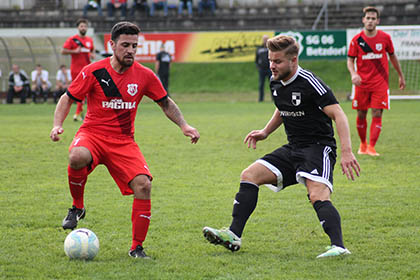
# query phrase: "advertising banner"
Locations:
[[406, 40], [320, 44], [199, 46]]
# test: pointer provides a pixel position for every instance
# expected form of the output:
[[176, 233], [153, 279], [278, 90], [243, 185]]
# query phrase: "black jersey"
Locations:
[[300, 101]]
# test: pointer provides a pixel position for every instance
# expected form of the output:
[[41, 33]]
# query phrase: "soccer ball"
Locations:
[[81, 244]]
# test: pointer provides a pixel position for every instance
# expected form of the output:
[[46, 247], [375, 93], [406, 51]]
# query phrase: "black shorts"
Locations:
[[294, 164]]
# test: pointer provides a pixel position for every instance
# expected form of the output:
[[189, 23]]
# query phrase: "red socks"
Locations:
[[361, 129], [375, 130], [79, 108], [140, 219], [77, 181]]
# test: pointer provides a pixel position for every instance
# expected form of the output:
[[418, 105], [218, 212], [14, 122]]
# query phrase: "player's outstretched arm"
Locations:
[[348, 160], [173, 113], [256, 135], [60, 114]]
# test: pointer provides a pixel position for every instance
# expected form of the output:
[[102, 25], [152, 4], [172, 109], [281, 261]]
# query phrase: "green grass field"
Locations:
[[194, 186]]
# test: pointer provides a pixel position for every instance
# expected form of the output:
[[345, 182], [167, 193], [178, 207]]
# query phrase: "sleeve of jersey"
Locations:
[[390, 46], [352, 49], [155, 90], [80, 87], [326, 98], [68, 44]]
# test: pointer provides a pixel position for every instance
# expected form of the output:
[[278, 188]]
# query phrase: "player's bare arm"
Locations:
[[73, 51], [397, 66], [60, 114], [256, 135], [355, 78], [172, 111], [348, 160]]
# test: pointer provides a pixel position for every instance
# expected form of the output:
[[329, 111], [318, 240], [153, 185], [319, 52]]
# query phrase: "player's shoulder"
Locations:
[[382, 33], [92, 67], [142, 69], [313, 81]]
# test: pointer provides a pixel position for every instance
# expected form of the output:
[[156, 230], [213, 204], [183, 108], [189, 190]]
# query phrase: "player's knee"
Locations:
[[79, 158], [248, 175], [141, 186]]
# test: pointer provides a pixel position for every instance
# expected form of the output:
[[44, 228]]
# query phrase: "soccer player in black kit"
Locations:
[[306, 107]]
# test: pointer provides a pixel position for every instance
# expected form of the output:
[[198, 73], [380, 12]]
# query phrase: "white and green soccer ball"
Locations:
[[81, 244]]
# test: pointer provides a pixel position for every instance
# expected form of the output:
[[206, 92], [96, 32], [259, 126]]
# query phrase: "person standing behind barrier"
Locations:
[[40, 84], [92, 4], [263, 65], [185, 3], [162, 65], [18, 84], [82, 50], [159, 4], [117, 4], [369, 49], [63, 80]]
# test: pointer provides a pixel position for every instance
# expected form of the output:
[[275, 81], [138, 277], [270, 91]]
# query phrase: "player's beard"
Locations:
[[82, 32], [285, 74], [123, 62]]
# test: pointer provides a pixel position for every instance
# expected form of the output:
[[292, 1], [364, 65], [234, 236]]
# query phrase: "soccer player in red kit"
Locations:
[[114, 88], [82, 50], [370, 48]]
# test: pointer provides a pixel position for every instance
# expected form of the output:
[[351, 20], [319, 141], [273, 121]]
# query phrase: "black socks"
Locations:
[[330, 221]]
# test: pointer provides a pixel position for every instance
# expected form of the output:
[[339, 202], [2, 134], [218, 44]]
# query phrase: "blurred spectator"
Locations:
[[92, 4], [159, 4], [63, 80], [162, 65], [263, 66], [18, 84], [140, 5], [187, 4], [40, 84], [206, 4], [117, 4]]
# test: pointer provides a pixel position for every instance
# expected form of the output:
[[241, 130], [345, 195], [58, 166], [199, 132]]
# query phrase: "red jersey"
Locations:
[[371, 59], [112, 97], [79, 60]]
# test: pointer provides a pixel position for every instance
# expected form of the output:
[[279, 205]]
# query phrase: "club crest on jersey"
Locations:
[[132, 89], [296, 98], [379, 47]]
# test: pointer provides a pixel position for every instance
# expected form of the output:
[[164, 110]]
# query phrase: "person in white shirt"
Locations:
[[18, 84], [63, 80], [40, 83]]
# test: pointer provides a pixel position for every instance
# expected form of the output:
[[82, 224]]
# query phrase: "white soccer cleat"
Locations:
[[334, 251]]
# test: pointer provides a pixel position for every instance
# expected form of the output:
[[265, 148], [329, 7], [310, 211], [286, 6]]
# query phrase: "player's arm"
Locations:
[[60, 114], [173, 113], [397, 66], [71, 51], [355, 78], [348, 160], [157, 64], [256, 135]]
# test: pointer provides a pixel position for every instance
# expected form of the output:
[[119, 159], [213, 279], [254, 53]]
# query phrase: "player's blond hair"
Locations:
[[284, 43], [370, 9]]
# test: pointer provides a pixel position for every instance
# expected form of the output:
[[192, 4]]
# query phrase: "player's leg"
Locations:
[[261, 82], [380, 101], [360, 103], [80, 158], [141, 213], [319, 195], [78, 116]]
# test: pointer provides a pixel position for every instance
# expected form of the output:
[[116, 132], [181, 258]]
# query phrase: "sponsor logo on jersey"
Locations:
[[292, 114], [118, 104], [296, 98], [379, 46], [132, 89], [372, 56]]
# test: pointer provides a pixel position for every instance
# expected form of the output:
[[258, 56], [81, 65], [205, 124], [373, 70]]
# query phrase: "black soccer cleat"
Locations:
[[138, 253], [73, 216]]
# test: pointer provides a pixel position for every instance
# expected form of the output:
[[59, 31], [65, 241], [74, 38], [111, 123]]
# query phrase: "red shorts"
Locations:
[[122, 157], [365, 99]]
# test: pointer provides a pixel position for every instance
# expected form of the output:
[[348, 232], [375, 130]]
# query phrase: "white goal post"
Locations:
[[406, 40]]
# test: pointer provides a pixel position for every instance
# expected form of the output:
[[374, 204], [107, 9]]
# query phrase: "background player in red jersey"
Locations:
[[369, 48], [114, 88], [82, 51]]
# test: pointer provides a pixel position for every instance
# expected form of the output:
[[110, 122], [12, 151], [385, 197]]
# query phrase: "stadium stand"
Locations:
[[230, 15]]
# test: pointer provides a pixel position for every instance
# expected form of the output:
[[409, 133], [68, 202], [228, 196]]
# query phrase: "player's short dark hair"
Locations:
[[283, 43], [370, 9], [81, 20], [124, 27]]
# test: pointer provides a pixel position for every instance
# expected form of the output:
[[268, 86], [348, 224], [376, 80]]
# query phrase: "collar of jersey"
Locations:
[[289, 81]]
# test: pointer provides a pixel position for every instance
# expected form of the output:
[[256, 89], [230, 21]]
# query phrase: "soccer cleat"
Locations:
[[223, 237], [78, 117], [363, 149], [371, 151], [334, 251], [138, 253], [73, 216]]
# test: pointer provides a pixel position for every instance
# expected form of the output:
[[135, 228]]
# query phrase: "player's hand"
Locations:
[[55, 132], [349, 164], [78, 49], [191, 132], [253, 137], [356, 80], [401, 81]]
